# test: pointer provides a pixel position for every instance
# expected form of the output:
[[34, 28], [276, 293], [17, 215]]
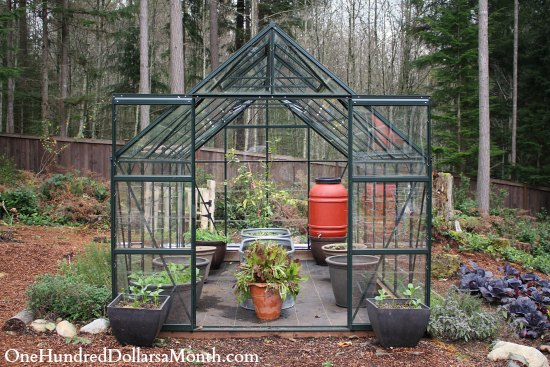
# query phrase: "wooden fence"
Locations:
[[92, 157]]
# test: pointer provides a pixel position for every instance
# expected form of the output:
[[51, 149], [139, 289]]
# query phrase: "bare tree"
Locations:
[[254, 17], [214, 37], [63, 67], [144, 86], [44, 115], [515, 84], [10, 60], [484, 160], [177, 71]]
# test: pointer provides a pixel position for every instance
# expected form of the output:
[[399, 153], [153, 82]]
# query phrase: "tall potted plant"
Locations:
[[398, 322], [137, 318], [268, 276]]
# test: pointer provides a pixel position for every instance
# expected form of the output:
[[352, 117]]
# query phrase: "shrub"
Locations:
[[93, 266], [461, 318], [68, 297], [23, 199]]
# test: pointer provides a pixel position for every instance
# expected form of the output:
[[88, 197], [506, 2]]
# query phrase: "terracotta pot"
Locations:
[[267, 302]]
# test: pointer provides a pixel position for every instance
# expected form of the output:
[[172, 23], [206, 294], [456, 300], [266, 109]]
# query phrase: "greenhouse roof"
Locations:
[[270, 67]]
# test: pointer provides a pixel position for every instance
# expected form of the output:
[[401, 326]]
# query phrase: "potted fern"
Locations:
[[268, 276], [137, 317], [398, 322]]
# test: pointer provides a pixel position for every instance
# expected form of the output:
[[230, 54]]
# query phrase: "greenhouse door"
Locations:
[[389, 200], [152, 206]]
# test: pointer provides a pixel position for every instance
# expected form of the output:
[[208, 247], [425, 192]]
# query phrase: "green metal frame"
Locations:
[[272, 71]]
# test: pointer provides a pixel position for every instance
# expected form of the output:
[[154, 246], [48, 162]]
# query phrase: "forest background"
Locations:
[[60, 62]]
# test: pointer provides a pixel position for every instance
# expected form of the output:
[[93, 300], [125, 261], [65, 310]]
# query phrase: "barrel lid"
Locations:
[[328, 180]]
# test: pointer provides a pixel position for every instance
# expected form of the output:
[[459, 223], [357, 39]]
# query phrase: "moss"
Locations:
[[444, 265]]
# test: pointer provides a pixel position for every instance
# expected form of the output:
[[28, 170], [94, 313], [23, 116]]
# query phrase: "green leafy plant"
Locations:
[[206, 235], [67, 297], [384, 299], [93, 265], [382, 295], [268, 263], [180, 273], [23, 199], [141, 296], [461, 317], [410, 293], [254, 196]]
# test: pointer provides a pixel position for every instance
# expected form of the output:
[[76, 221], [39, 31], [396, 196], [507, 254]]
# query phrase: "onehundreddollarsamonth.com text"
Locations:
[[135, 355]]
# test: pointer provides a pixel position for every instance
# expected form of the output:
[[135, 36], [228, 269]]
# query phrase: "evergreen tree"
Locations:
[[450, 30]]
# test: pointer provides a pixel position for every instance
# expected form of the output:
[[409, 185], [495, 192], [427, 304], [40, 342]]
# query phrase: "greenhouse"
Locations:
[[241, 152]]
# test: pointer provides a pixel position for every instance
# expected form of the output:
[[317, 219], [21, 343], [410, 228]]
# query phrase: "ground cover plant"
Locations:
[[461, 317], [524, 296]]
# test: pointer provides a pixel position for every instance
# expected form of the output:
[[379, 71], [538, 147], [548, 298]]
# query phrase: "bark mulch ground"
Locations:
[[30, 251]]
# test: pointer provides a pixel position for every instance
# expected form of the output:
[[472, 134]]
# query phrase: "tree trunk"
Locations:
[[22, 62], [144, 60], [484, 167], [240, 139], [177, 73], [44, 114], [214, 37], [10, 61], [63, 68], [515, 84], [254, 18], [1, 105]]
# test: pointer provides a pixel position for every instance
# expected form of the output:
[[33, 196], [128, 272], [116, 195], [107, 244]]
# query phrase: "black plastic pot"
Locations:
[[400, 326], [364, 280], [316, 244], [137, 326]]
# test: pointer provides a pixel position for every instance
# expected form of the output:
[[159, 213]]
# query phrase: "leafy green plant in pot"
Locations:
[[398, 322], [204, 237], [268, 276], [136, 318], [175, 281]]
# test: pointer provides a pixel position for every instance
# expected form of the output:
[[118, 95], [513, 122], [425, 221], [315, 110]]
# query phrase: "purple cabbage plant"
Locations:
[[525, 297]]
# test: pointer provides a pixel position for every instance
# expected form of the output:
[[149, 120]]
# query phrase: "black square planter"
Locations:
[[137, 326], [400, 326]]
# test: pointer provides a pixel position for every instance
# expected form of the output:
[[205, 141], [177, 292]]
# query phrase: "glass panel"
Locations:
[[390, 140], [390, 214], [152, 214], [273, 65], [297, 74], [163, 270], [159, 167], [169, 136], [389, 272]]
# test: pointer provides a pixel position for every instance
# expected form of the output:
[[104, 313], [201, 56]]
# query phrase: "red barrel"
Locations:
[[328, 208]]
